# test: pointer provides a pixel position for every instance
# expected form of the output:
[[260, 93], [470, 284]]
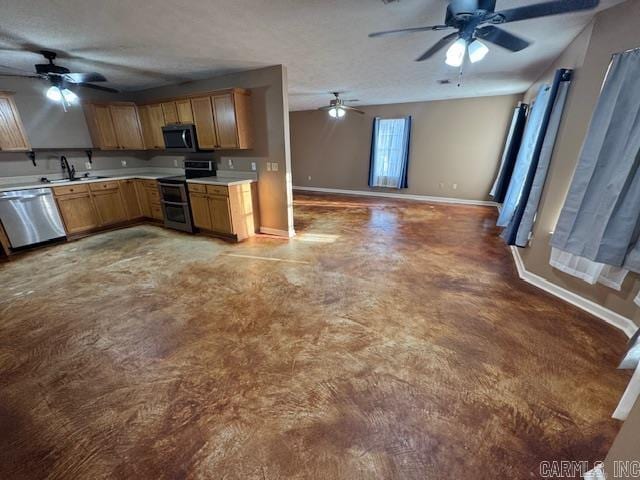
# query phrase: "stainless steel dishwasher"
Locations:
[[30, 216]]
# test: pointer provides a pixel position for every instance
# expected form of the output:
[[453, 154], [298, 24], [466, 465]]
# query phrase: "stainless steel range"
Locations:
[[174, 195]]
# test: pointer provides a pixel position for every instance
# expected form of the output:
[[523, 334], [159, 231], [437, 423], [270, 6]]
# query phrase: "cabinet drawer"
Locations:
[[96, 187], [156, 212], [70, 189], [197, 188], [149, 183], [153, 195], [218, 190]]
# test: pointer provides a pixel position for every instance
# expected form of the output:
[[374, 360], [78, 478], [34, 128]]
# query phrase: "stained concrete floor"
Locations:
[[388, 340]]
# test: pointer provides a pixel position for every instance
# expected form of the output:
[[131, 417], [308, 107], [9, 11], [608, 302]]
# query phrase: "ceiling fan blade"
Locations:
[[25, 72], [545, 9], [85, 77], [440, 44], [96, 87], [18, 76], [408, 30], [352, 109], [502, 38]]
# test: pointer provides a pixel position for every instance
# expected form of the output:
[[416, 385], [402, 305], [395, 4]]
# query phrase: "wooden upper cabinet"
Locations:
[[170, 112], [222, 119], [114, 126], [152, 121], [203, 120], [127, 126], [12, 135], [224, 113], [185, 114]]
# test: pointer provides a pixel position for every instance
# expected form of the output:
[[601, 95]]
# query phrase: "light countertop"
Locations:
[[6, 185], [225, 181]]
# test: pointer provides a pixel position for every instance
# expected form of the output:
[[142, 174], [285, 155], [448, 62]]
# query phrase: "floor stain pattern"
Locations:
[[388, 340]]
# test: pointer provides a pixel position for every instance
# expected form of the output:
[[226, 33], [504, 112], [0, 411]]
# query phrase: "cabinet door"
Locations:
[[78, 213], [225, 119], [109, 206], [130, 198], [203, 120], [220, 214], [12, 135], [104, 126], [170, 113], [185, 115], [127, 126], [151, 130], [145, 205], [200, 210]]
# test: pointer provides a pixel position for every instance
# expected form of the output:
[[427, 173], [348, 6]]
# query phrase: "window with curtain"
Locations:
[[390, 152]]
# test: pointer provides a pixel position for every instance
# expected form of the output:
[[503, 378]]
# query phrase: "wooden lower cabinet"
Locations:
[[130, 199], [78, 212], [109, 206], [89, 206], [220, 214], [230, 211], [200, 210], [149, 197]]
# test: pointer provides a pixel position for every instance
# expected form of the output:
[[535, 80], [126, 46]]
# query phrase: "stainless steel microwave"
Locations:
[[180, 138]]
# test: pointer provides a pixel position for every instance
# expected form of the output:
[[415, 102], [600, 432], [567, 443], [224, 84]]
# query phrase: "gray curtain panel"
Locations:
[[531, 209], [525, 156], [600, 216]]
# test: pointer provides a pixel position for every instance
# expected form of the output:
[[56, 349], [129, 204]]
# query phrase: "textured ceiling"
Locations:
[[139, 44]]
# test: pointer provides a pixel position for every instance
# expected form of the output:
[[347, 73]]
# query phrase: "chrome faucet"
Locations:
[[71, 171]]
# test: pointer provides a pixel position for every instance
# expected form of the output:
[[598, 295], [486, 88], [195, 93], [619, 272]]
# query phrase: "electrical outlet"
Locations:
[[230, 164], [454, 186], [441, 185], [309, 178], [253, 166], [175, 162], [268, 166], [274, 167], [88, 165], [123, 163]]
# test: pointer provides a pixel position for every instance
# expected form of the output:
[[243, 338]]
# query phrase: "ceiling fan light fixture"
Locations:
[[337, 112], [455, 54], [69, 96], [477, 51], [54, 93]]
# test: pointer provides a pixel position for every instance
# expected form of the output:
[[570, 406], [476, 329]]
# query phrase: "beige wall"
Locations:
[[452, 142], [271, 122], [612, 31], [626, 446]]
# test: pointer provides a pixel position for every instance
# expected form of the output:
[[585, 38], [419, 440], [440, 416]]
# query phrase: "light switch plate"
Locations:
[[253, 166], [230, 163], [123, 163], [268, 166], [274, 166], [175, 162]]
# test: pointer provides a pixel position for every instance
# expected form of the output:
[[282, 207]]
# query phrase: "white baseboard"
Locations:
[[403, 196], [623, 323], [278, 233]]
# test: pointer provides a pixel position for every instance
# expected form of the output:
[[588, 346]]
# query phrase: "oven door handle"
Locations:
[[182, 204]]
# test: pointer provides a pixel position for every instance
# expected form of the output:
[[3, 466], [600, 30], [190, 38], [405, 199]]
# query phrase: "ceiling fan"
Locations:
[[476, 19], [61, 79], [337, 107]]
